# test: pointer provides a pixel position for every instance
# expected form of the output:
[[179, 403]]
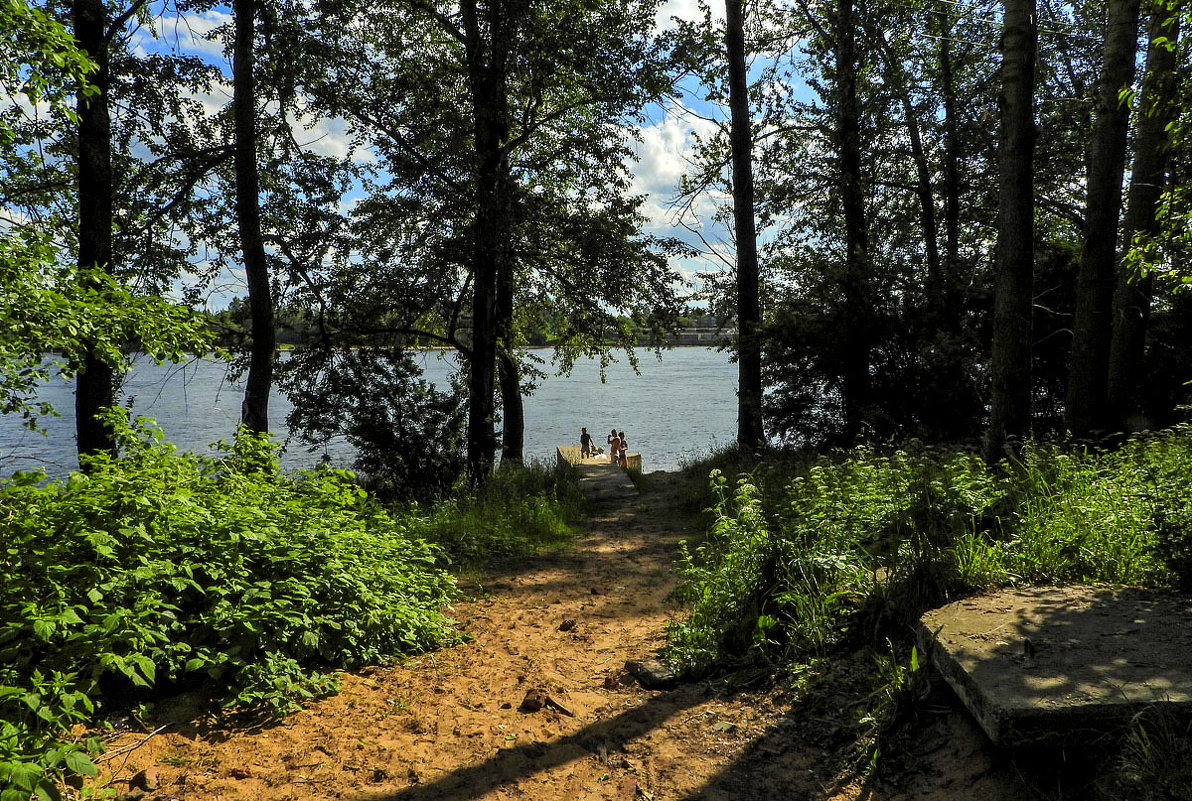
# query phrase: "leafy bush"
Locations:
[[407, 434], [163, 570]]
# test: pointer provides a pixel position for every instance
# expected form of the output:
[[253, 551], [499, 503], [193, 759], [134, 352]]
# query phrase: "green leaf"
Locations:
[[25, 776], [43, 630], [81, 764]]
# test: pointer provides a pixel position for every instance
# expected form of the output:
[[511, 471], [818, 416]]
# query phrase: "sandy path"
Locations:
[[448, 725]]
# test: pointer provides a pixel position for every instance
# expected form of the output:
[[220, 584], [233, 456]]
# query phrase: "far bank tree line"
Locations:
[[955, 235]]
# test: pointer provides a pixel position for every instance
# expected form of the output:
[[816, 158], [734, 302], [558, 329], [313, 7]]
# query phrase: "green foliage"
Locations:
[[165, 570], [858, 540], [46, 308], [407, 434], [38, 59], [521, 510]]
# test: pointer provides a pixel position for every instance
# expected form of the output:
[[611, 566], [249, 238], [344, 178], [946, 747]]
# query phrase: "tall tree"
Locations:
[[1157, 110], [487, 59], [750, 433], [1014, 269], [95, 384], [1092, 328], [255, 409], [499, 202], [857, 335]]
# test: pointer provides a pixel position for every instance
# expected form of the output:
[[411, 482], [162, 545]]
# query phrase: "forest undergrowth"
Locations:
[[810, 557], [161, 572]]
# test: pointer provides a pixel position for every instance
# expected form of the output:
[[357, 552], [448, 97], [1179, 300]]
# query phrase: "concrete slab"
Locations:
[[1052, 664]]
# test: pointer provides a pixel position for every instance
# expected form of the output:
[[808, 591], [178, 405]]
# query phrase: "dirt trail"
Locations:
[[448, 725]]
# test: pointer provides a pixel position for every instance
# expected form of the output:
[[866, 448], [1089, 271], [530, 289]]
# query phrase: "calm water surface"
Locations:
[[677, 408]]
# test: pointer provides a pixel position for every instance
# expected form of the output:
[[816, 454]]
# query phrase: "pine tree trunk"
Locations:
[[255, 409], [1158, 107], [856, 346], [95, 384], [1086, 398], [1010, 417], [750, 429]]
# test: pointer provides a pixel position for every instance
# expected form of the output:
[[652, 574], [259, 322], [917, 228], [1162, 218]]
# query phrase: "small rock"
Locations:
[[535, 699], [612, 682], [724, 727], [506, 705], [652, 674], [567, 625], [146, 780], [134, 795], [598, 591], [240, 773]]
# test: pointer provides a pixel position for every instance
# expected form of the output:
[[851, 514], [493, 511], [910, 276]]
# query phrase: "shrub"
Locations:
[[162, 570]]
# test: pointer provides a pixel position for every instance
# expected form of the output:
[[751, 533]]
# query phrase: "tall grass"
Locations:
[[523, 509], [803, 553]]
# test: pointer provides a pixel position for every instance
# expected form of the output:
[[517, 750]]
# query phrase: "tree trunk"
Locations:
[[1014, 270], [951, 158], [95, 384], [898, 82], [856, 345], [1092, 328], [254, 413], [513, 416], [1158, 107], [487, 86], [750, 430]]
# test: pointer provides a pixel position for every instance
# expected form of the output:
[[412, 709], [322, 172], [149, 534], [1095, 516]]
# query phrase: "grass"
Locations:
[[524, 509], [808, 557]]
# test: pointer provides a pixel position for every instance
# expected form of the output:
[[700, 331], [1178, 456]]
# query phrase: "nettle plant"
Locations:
[[161, 571]]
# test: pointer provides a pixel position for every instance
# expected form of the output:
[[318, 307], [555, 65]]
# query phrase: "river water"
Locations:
[[675, 409]]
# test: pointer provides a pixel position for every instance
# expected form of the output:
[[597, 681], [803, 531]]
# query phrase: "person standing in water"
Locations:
[[585, 444]]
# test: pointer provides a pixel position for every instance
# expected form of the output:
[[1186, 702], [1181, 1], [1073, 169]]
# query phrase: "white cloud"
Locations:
[[687, 10], [665, 153], [187, 33]]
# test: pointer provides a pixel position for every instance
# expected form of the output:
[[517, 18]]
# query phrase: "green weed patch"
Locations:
[[849, 543], [163, 570]]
